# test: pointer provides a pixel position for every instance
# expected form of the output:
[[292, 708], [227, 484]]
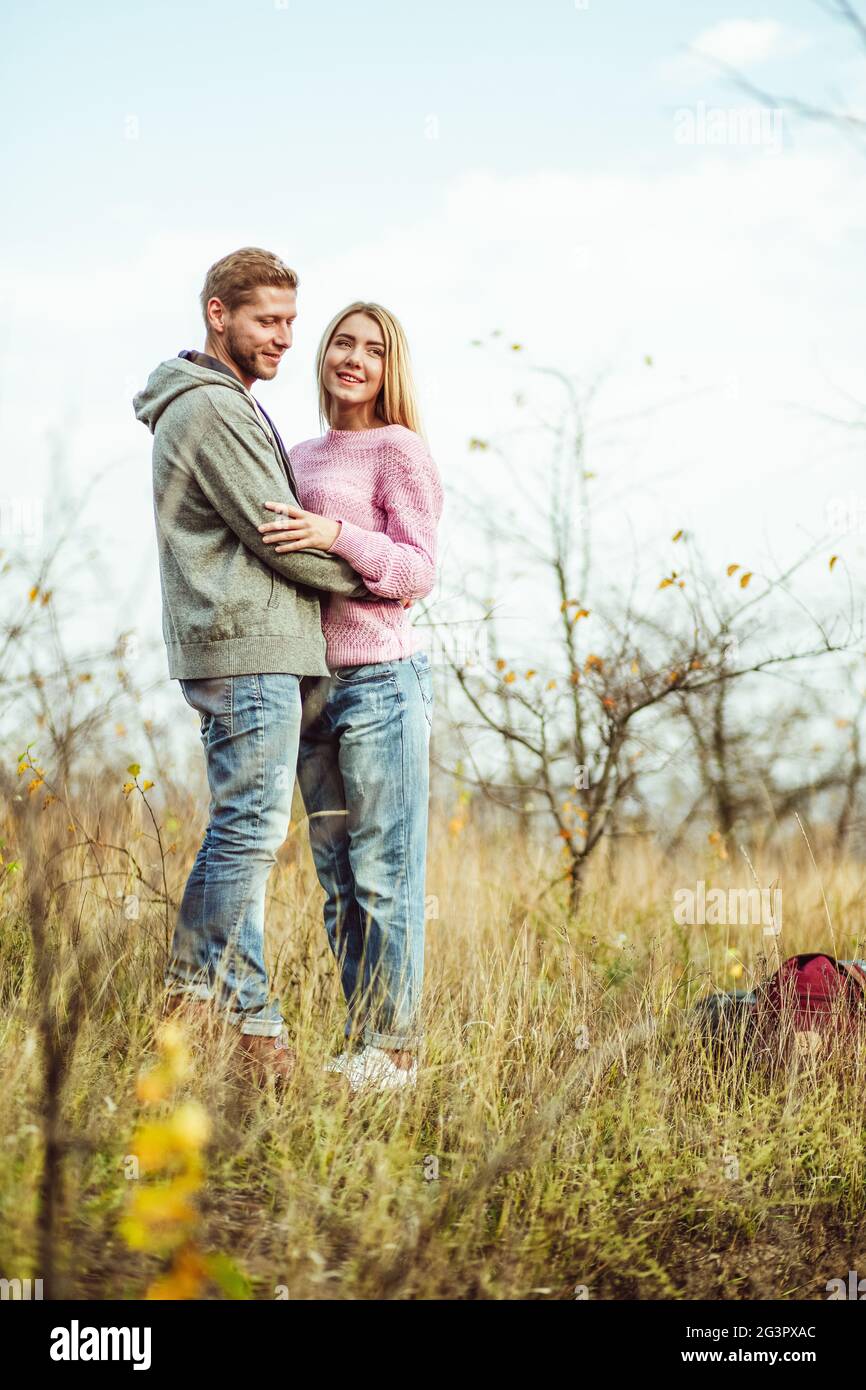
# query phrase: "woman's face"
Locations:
[[354, 363]]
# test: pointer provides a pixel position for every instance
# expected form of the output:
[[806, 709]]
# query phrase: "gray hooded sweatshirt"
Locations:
[[230, 605]]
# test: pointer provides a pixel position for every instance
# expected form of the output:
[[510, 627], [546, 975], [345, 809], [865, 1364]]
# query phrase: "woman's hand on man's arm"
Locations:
[[299, 530]]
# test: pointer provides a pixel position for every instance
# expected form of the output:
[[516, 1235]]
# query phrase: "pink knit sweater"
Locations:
[[384, 489]]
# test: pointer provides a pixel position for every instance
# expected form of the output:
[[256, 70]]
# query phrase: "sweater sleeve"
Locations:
[[234, 471], [399, 562]]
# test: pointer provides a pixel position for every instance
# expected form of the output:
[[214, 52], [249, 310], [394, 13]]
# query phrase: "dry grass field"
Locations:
[[569, 1136]]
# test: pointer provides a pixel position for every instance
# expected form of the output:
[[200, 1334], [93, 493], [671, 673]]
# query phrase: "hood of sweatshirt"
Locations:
[[176, 376]]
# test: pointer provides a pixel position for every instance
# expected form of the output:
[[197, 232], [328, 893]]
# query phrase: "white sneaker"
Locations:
[[337, 1064], [374, 1070]]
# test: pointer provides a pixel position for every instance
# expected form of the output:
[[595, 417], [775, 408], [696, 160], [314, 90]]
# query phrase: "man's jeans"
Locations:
[[250, 727], [363, 771]]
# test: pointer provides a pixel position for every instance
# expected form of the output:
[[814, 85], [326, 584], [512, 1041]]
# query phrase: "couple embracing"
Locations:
[[287, 578]]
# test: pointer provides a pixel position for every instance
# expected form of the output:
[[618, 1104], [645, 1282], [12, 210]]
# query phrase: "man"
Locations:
[[241, 625]]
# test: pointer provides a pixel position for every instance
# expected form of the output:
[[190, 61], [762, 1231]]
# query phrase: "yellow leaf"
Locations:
[[146, 786], [509, 678], [635, 668], [529, 674], [677, 535], [665, 583], [134, 768], [501, 665], [732, 569], [744, 579], [833, 559], [33, 592], [551, 685]]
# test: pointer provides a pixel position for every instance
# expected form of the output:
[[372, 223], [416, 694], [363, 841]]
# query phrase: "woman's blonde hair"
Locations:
[[395, 403]]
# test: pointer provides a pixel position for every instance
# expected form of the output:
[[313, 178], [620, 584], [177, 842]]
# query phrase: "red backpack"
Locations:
[[811, 1003]]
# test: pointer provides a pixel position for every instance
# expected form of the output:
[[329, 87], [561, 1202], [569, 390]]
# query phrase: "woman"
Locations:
[[371, 493]]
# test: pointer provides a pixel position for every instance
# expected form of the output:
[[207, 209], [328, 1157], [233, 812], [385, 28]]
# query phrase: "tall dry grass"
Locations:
[[569, 1135]]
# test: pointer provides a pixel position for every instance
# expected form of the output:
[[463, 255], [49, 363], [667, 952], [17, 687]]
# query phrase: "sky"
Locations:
[[572, 177]]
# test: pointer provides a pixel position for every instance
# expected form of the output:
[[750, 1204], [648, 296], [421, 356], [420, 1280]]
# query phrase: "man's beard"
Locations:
[[245, 358]]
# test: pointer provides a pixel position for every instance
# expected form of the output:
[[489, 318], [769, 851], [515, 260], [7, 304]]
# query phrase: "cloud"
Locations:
[[738, 43], [744, 42]]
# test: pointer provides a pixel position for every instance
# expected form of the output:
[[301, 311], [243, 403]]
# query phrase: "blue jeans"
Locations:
[[250, 727], [363, 771]]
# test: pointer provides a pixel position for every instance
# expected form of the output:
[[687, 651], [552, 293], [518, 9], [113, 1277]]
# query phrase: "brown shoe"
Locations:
[[268, 1057]]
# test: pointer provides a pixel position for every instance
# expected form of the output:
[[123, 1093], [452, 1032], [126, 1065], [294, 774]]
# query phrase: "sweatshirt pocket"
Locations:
[[276, 590]]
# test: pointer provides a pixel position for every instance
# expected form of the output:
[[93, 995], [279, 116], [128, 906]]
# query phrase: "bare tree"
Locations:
[[576, 737]]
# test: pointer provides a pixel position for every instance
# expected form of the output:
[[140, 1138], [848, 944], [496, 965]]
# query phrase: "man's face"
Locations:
[[255, 335]]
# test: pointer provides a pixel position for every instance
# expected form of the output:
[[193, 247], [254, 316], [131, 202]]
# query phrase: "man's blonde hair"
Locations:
[[236, 277], [395, 403]]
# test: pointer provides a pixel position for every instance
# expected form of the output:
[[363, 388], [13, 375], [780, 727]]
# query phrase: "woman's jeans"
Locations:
[[363, 771], [250, 727]]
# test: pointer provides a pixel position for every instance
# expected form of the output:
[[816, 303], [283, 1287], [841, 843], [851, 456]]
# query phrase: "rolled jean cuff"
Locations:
[[255, 1027], [395, 1042]]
